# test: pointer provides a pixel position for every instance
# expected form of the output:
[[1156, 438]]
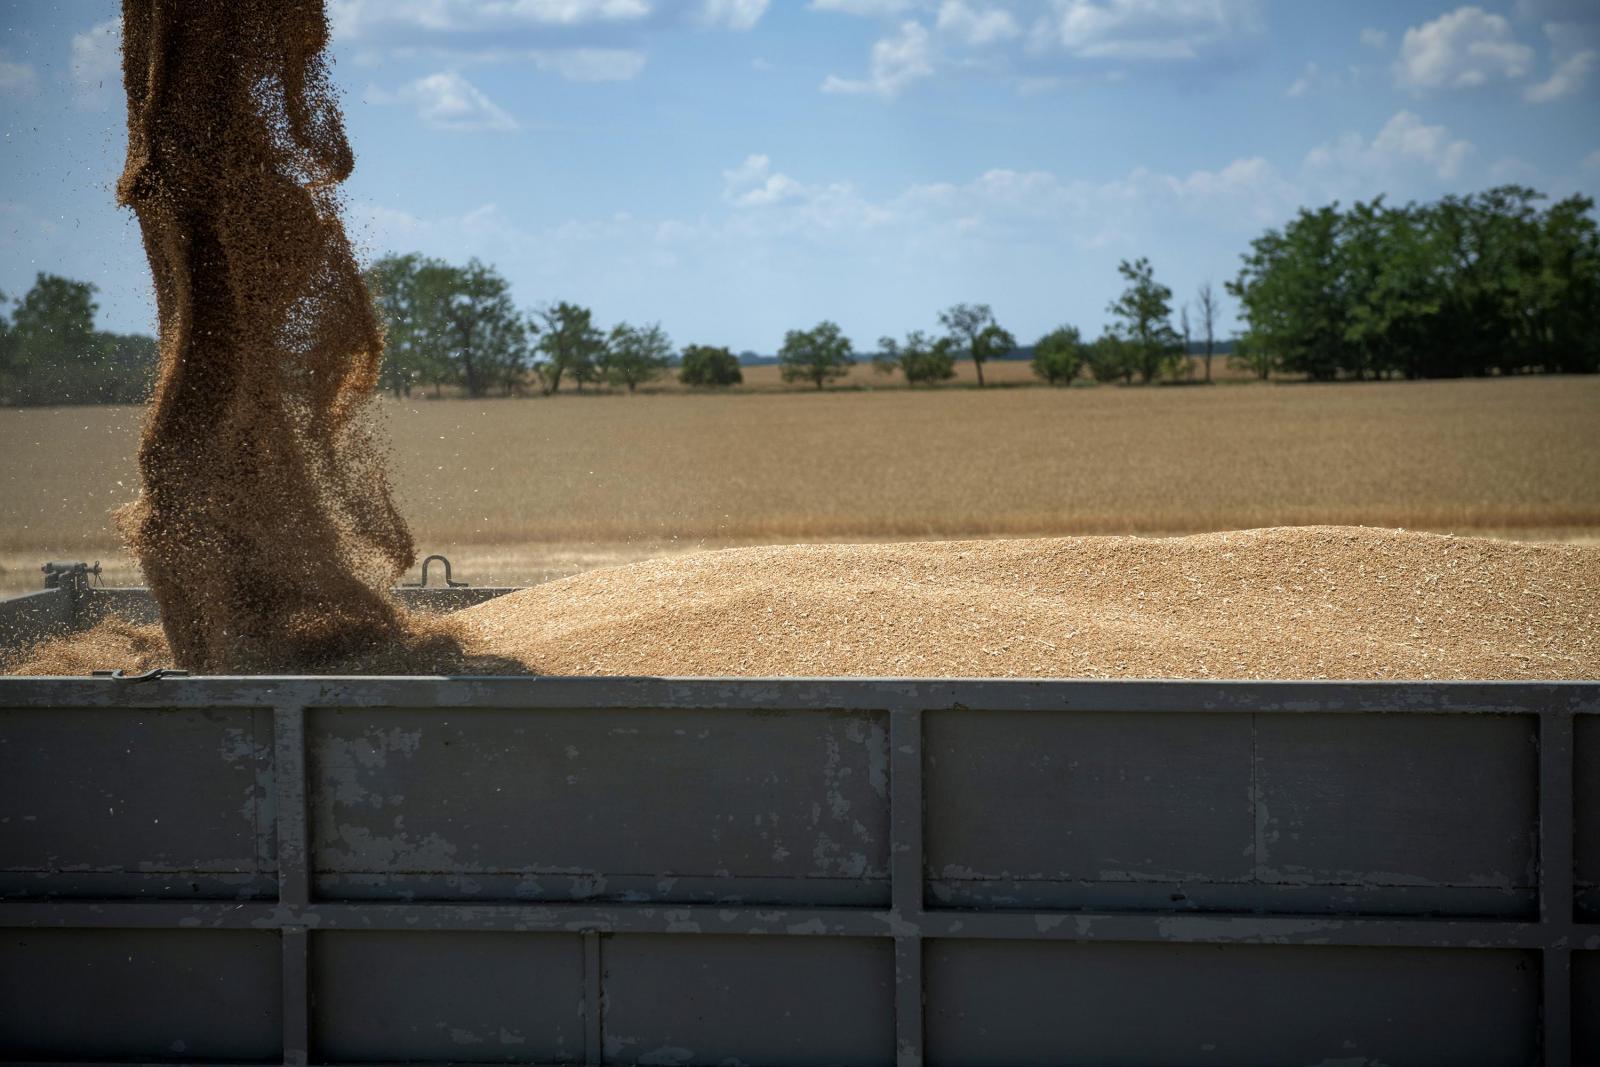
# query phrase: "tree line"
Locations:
[[1464, 286], [51, 353]]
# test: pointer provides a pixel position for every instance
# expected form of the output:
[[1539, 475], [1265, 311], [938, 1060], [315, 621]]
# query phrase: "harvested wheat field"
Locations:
[[1309, 602]]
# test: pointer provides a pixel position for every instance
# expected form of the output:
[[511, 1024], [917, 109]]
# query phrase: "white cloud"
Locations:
[[19, 79], [1374, 38], [353, 19], [96, 62], [1567, 79], [1591, 163], [770, 202], [591, 64], [734, 14], [1302, 84], [752, 183], [976, 27], [447, 101], [1145, 29], [1405, 142], [897, 61], [873, 8], [1463, 49]]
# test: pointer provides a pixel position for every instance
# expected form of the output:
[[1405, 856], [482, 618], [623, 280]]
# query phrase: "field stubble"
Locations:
[[520, 491]]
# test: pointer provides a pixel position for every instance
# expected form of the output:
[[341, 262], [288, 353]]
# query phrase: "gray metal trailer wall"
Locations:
[[799, 871]]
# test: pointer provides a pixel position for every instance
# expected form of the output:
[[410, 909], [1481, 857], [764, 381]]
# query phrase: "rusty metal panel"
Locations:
[[456, 997], [1029, 1003], [1087, 809], [565, 805], [115, 803], [776, 1001], [170, 995], [1586, 797], [1446, 804]]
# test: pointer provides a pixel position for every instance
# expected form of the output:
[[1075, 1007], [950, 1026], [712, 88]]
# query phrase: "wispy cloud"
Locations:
[[1145, 29], [96, 63], [357, 19], [18, 79], [897, 61], [448, 101], [733, 14], [1463, 49], [976, 26], [1405, 142]]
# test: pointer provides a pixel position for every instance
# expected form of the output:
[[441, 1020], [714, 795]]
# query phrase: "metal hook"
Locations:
[[154, 674], [447, 581]]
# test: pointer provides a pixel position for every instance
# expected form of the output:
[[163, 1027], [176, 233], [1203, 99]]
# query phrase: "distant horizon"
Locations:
[[734, 169]]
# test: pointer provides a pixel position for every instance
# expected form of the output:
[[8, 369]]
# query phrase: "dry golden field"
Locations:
[[519, 491]]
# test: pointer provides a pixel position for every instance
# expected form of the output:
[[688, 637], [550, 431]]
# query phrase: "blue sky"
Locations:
[[736, 168]]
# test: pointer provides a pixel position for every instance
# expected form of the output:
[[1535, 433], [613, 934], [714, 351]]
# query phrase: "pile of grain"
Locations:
[[1307, 602], [265, 525]]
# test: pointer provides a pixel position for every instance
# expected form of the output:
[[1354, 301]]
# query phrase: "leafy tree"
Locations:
[[1565, 293], [54, 323], [635, 355], [1111, 358], [50, 352], [1145, 310], [1468, 285], [1288, 290], [818, 355], [920, 359], [412, 354], [1059, 355], [704, 365], [973, 332], [1207, 304], [448, 325], [570, 344]]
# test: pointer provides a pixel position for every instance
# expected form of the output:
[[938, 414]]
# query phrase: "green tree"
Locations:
[[818, 355], [704, 365], [488, 337], [1059, 355], [974, 333], [1565, 293], [1288, 289], [51, 353], [570, 345], [1145, 311], [412, 354], [920, 359], [448, 325], [635, 355], [1111, 358]]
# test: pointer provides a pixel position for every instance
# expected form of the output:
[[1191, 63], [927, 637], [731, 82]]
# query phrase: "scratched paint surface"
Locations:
[[642, 805], [1384, 814], [134, 797]]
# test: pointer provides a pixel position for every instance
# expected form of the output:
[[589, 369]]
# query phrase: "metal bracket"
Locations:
[[152, 675], [447, 581]]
